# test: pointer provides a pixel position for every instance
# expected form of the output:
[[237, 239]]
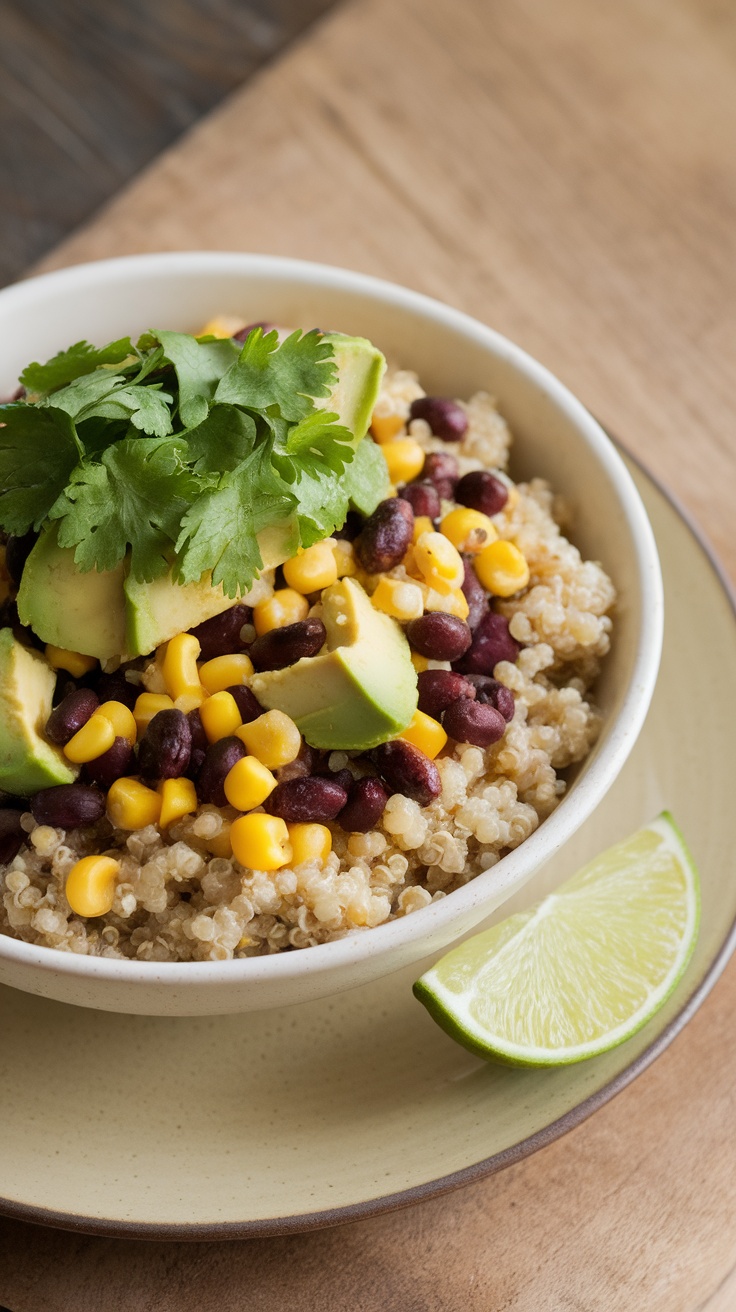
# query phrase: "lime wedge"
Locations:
[[582, 970]]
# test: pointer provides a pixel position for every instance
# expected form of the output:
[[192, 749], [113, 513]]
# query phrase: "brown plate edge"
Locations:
[[303, 1222]]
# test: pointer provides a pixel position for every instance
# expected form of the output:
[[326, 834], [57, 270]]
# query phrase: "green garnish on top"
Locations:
[[176, 451]]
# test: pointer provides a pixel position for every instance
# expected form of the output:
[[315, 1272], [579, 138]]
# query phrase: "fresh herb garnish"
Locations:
[[177, 452]]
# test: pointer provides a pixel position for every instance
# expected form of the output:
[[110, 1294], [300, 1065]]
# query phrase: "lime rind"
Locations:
[[584, 969]]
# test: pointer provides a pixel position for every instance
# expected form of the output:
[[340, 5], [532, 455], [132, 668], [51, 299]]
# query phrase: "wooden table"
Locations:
[[566, 172]]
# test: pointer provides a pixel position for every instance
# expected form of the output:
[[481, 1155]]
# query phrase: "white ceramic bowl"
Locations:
[[555, 437]]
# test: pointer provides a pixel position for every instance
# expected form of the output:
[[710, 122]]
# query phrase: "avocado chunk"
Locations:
[[81, 612], [27, 761], [360, 692], [360, 368]]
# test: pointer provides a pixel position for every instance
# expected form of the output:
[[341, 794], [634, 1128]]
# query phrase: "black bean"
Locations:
[[351, 528], [438, 636], [473, 722], [68, 806], [366, 803], [243, 333], [113, 764], [219, 760], [407, 770], [246, 702], [492, 643], [490, 692], [304, 764], [445, 417], [196, 761], [341, 777], [423, 498], [70, 715], [475, 595], [165, 748], [12, 835], [438, 689], [116, 688], [481, 490], [220, 635], [196, 728], [17, 551], [281, 647], [386, 535], [441, 469], [312, 800]]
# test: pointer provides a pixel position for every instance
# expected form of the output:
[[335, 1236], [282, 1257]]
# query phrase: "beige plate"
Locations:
[[286, 1120]]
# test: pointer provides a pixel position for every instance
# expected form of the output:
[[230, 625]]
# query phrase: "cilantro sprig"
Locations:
[[175, 452]]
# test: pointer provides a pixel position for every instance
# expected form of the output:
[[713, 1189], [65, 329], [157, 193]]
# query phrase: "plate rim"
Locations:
[[325, 1218]]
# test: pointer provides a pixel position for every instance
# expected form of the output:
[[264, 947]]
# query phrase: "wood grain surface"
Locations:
[[567, 173]]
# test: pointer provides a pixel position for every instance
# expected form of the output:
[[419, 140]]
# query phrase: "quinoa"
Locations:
[[177, 900]]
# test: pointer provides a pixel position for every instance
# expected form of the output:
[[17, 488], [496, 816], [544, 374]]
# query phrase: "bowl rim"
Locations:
[[588, 790]]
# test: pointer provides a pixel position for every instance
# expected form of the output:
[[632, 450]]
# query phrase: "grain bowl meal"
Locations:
[[286, 652]]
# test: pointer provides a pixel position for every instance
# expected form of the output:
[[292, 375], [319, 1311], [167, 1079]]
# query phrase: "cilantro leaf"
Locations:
[[222, 440], [366, 479], [133, 498], [288, 375], [318, 444], [102, 395], [199, 367], [38, 451], [322, 505], [40, 379], [219, 532]]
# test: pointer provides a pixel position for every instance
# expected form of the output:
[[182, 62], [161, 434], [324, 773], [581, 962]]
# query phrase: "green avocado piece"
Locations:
[[27, 761], [360, 368], [360, 692], [367, 477], [81, 612]]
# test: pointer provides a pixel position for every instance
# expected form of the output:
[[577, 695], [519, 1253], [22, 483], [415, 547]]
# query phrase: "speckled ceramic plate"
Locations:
[[321, 1113]]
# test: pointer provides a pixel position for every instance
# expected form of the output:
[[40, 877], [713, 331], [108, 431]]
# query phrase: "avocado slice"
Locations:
[[81, 612], [360, 368], [360, 692], [27, 761]]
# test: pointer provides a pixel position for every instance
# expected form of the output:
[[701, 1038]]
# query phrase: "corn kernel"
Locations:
[[121, 719], [224, 672], [72, 661], [422, 524], [220, 845], [90, 885], [344, 558], [451, 603], [439, 562], [396, 597], [468, 530], [91, 741], [261, 842], [285, 607], [178, 798], [147, 705], [426, 734], [405, 459], [180, 664], [386, 427], [248, 783], [223, 325], [130, 805], [313, 569], [191, 700], [502, 568], [220, 716], [309, 843], [420, 663], [273, 738]]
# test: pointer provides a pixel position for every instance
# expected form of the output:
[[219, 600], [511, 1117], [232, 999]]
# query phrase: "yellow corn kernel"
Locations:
[[468, 530], [309, 843], [248, 783], [386, 427], [405, 459], [72, 661], [130, 805], [261, 841], [420, 663], [226, 672], [178, 798], [191, 700], [285, 607], [396, 597], [90, 885], [426, 734], [121, 719], [180, 664], [502, 568], [148, 704], [220, 845], [451, 603], [439, 563], [273, 738], [220, 716], [91, 741], [422, 524], [223, 325], [344, 558], [313, 569]]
